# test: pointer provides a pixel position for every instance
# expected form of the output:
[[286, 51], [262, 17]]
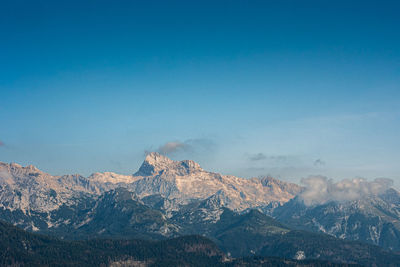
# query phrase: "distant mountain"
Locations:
[[186, 180], [169, 199], [120, 214], [371, 219], [38, 201]]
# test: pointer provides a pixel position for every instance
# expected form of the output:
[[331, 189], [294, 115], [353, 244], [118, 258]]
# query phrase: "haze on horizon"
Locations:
[[290, 89]]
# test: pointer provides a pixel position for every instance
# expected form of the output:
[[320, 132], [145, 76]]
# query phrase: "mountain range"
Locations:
[[31, 193], [169, 199]]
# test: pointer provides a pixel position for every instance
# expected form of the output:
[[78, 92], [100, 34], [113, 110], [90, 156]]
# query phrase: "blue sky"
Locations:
[[288, 88]]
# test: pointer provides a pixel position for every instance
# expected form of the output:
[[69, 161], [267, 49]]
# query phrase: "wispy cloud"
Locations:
[[320, 189], [272, 158], [319, 162], [257, 157], [188, 146], [173, 147], [2, 143]]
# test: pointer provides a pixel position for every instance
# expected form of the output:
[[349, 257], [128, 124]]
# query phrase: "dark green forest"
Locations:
[[21, 248]]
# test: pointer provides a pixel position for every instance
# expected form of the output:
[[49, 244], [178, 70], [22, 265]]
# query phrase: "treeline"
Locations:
[[21, 248]]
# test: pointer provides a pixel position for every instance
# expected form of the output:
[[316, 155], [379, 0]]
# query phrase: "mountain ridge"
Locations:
[[167, 198], [176, 180]]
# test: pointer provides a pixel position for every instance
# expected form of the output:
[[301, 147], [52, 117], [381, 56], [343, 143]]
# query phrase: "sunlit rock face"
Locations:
[[37, 200], [176, 197], [186, 180]]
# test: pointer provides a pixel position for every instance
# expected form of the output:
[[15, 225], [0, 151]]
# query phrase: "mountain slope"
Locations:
[[372, 219], [119, 214], [255, 233]]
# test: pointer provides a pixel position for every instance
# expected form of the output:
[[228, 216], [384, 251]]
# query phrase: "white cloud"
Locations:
[[320, 190]]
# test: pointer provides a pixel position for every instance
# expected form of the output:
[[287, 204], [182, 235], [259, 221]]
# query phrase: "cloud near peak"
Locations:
[[320, 189], [319, 162], [199, 145], [172, 147]]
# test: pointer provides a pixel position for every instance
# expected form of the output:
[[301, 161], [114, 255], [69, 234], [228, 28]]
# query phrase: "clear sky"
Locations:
[[288, 88]]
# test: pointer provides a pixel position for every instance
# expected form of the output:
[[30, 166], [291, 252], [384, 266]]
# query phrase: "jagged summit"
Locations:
[[155, 157], [180, 182], [277, 185], [155, 163], [15, 168]]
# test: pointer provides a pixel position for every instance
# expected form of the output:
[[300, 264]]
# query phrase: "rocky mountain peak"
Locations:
[[278, 185], [32, 168], [190, 165], [155, 158], [14, 169], [154, 163], [14, 165]]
